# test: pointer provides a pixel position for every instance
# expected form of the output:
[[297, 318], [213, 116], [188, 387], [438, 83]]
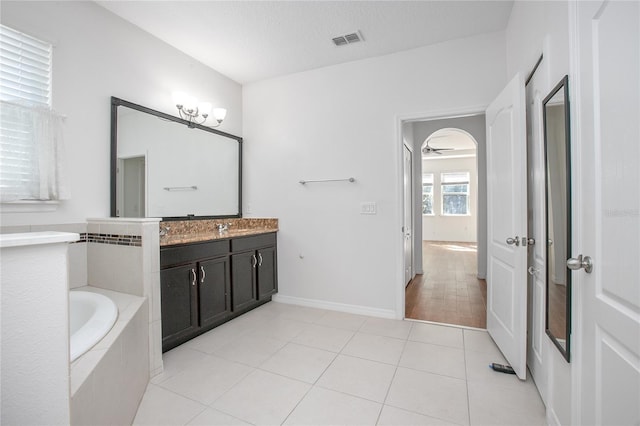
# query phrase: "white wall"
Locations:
[[535, 28], [342, 121], [438, 227], [97, 55]]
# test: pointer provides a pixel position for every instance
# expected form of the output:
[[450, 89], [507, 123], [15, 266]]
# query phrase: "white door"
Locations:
[[407, 227], [507, 224], [608, 190], [536, 90]]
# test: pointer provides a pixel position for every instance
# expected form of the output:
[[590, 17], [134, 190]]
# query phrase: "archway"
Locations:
[[449, 290]]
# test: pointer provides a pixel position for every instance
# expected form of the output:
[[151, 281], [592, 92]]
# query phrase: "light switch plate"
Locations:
[[369, 207]]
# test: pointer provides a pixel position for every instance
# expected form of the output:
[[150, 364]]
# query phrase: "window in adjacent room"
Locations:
[[427, 194], [30, 132], [455, 193]]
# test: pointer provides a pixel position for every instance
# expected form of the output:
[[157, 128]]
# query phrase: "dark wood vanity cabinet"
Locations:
[[206, 284], [179, 299], [194, 289], [253, 270], [214, 297]]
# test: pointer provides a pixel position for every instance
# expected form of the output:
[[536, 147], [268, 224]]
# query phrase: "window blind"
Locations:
[[25, 68], [30, 140], [455, 177], [427, 178]]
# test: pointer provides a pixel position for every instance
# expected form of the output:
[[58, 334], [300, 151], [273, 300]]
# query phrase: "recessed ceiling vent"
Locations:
[[348, 39]]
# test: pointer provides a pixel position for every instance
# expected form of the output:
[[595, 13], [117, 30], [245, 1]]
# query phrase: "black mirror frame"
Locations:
[[115, 103], [562, 85]]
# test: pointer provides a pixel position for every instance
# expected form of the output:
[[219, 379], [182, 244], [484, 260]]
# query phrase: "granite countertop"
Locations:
[[191, 231]]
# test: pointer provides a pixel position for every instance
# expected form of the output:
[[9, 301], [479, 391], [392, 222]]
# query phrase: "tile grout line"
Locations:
[[181, 396], [395, 371], [313, 385], [297, 404], [258, 368], [192, 418]]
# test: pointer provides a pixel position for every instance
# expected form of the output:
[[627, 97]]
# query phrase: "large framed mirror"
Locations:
[[163, 166], [557, 152]]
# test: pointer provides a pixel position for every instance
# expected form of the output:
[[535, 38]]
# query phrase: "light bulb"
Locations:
[[179, 98], [204, 108]]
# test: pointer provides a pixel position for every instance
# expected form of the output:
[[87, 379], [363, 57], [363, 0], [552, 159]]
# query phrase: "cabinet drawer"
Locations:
[[193, 252], [253, 242]]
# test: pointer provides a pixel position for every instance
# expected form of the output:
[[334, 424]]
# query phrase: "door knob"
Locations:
[[512, 241], [580, 262]]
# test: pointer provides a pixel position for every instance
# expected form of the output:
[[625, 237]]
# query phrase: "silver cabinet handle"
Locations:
[[532, 271], [260, 257], [254, 261], [202, 273], [193, 274], [512, 241], [580, 262]]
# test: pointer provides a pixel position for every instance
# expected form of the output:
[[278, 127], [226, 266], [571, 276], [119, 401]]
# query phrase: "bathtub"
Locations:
[[91, 316]]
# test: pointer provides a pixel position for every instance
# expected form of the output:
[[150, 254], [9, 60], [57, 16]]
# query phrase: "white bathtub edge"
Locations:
[[128, 305]]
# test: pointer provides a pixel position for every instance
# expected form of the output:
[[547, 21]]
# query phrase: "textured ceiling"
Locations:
[[253, 40]]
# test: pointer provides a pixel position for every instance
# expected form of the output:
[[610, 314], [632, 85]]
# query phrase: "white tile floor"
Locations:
[[286, 364]]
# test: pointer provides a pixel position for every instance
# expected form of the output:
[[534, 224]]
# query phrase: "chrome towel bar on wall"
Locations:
[[180, 188], [304, 182]]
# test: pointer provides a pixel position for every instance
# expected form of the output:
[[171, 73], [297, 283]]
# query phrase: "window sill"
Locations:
[[29, 206]]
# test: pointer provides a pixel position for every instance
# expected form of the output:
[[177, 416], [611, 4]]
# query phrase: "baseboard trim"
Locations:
[[333, 306]]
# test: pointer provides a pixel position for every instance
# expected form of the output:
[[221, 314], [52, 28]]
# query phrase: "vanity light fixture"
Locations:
[[196, 112]]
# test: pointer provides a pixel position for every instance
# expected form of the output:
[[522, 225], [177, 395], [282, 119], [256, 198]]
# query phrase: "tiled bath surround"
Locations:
[[107, 382], [129, 262], [120, 258], [120, 255]]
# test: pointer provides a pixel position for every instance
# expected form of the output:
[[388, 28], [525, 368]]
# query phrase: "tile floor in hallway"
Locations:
[[293, 365]]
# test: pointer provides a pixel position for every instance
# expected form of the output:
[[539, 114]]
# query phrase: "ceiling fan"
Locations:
[[430, 150]]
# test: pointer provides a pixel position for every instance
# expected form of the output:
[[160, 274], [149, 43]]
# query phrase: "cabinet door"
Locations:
[[214, 290], [179, 304], [243, 289], [267, 275]]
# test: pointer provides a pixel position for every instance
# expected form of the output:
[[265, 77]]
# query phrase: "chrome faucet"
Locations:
[[223, 227]]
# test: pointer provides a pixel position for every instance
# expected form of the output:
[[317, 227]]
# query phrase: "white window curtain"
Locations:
[[32, 154]]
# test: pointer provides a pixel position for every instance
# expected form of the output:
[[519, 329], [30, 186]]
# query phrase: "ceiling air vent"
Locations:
[[347, 39]]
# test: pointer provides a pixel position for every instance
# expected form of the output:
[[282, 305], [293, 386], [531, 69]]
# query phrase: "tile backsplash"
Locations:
[[115, 239]]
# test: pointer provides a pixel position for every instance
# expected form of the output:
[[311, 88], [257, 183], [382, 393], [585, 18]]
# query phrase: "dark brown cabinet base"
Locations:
[[206, 284]]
